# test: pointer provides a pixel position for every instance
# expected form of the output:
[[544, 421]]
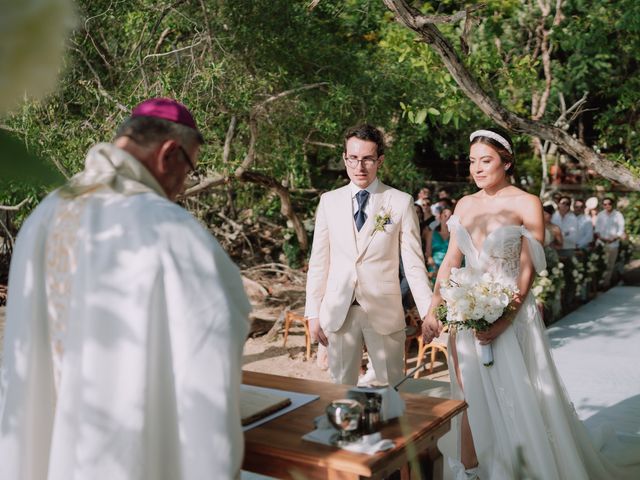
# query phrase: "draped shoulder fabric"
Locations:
[[520, 402], [123, 344]]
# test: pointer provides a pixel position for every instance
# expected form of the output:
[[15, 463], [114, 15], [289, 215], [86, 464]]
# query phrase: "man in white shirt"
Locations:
[[567, 222], [353, 287], [125, 322], [609, 231], [584, 238]]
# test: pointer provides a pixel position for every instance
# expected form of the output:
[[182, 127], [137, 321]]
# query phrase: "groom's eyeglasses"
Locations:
[[353, 162]]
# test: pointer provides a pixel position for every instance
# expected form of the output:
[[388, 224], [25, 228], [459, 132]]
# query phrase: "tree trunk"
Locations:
[[286, 207]]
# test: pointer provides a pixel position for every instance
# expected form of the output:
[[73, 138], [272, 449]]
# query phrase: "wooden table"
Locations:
[[276, 448]]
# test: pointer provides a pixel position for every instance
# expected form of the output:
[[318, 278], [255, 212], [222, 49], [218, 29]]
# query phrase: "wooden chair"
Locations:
[[435, 348], [413, 330], [290, 317]]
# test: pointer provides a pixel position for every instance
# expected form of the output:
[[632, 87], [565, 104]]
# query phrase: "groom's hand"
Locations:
[[431, 328], [316, 332]]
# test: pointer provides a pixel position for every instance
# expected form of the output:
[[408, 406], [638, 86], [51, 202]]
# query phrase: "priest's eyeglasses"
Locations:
[[352, 162], [187, 159]]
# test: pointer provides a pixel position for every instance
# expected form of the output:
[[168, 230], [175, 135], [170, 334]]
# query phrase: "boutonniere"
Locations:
[[381, 219]]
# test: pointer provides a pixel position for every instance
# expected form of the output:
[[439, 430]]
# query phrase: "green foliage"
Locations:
[[226, 59]]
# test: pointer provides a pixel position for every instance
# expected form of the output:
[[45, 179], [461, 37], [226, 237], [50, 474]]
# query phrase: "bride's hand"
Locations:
[[485, 337], [431, 327]]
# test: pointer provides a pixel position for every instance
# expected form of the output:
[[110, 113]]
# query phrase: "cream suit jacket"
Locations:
[[345, 263]]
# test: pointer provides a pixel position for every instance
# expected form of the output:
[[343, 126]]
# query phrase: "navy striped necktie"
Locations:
[[360, 217]]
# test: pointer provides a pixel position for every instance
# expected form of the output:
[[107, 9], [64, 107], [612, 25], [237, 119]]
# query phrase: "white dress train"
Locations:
[[519, 405]]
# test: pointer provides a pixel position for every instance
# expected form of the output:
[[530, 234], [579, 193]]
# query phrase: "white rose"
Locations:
[[492, 316], [465, 276]]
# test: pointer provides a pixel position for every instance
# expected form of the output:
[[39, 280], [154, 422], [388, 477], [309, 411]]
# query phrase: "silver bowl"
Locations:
[[344, 415]]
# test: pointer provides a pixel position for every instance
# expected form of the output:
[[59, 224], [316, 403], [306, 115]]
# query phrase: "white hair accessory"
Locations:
[[493, 136]]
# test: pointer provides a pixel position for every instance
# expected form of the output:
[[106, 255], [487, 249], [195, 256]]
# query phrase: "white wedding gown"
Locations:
[[520, 402]]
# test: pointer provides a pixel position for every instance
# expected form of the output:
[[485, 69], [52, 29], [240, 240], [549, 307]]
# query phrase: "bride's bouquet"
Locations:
[[474, 300]]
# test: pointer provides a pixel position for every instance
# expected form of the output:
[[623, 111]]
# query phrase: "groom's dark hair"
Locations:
[[368, 133]]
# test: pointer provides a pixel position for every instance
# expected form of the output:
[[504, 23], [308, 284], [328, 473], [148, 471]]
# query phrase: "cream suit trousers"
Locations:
[[345, 350]]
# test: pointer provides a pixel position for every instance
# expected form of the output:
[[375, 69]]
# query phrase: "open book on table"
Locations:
[[256, 404]]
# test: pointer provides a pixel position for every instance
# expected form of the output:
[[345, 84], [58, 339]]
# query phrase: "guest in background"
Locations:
[[424, 194], [609, 230], [423, 200], [437, 242], [420, 214], [567, 222], [584, 238], [444, 194], [591, 209], [552, 233]]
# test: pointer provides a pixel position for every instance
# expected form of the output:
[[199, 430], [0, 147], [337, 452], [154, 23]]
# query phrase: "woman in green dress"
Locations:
[[436, 242]]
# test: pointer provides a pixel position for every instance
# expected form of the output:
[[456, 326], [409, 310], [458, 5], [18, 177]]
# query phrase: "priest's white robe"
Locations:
[[123, 345]]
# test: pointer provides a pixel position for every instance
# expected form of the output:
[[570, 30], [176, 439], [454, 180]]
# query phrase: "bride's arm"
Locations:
[[534, 222], [431, 326]]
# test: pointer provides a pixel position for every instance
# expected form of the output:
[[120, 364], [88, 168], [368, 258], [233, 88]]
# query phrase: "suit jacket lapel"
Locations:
[[344, 216]]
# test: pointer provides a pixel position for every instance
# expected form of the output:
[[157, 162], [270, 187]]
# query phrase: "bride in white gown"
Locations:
[[519, 404]]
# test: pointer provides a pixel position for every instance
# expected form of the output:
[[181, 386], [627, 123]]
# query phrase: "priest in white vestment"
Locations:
[[125, 322]]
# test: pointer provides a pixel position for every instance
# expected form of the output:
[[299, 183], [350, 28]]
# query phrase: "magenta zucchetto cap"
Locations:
[[167, 109]]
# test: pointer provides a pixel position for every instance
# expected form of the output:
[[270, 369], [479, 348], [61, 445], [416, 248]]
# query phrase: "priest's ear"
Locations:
[[164, 156]]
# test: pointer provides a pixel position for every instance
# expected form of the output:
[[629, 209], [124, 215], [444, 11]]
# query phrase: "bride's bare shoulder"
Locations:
[[464, 204], [527, 199]]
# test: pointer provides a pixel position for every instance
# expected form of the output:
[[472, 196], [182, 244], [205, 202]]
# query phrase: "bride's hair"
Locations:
[[496, 138]]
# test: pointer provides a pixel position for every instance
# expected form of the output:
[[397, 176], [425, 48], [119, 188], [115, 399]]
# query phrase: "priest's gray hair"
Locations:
[[146, 131]]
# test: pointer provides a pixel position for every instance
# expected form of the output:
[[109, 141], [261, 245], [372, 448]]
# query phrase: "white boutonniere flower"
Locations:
[[381, 219]]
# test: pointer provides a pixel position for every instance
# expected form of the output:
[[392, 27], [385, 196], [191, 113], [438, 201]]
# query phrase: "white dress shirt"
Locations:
[[585, 231], [610, 225], [569, 226]]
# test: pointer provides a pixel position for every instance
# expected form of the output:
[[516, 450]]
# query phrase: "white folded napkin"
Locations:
[[368, 444]]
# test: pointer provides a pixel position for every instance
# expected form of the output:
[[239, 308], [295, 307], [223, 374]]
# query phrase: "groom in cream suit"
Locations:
[[353, 287]]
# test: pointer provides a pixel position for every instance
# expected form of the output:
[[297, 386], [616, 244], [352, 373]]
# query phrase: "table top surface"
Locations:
[[281, 438]]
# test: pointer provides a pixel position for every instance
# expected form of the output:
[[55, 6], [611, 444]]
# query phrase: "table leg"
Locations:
[[432, 464]]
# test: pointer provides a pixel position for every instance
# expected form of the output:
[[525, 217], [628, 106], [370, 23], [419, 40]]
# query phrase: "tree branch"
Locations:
[[423, 20], [98, 82], [164, 54], [278, 96], [251, 151], [253, 123], [207, 183], [430, 34], [13, 208], [286, 207]]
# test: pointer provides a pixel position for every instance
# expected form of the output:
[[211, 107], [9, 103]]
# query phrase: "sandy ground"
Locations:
[[272, 357]]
